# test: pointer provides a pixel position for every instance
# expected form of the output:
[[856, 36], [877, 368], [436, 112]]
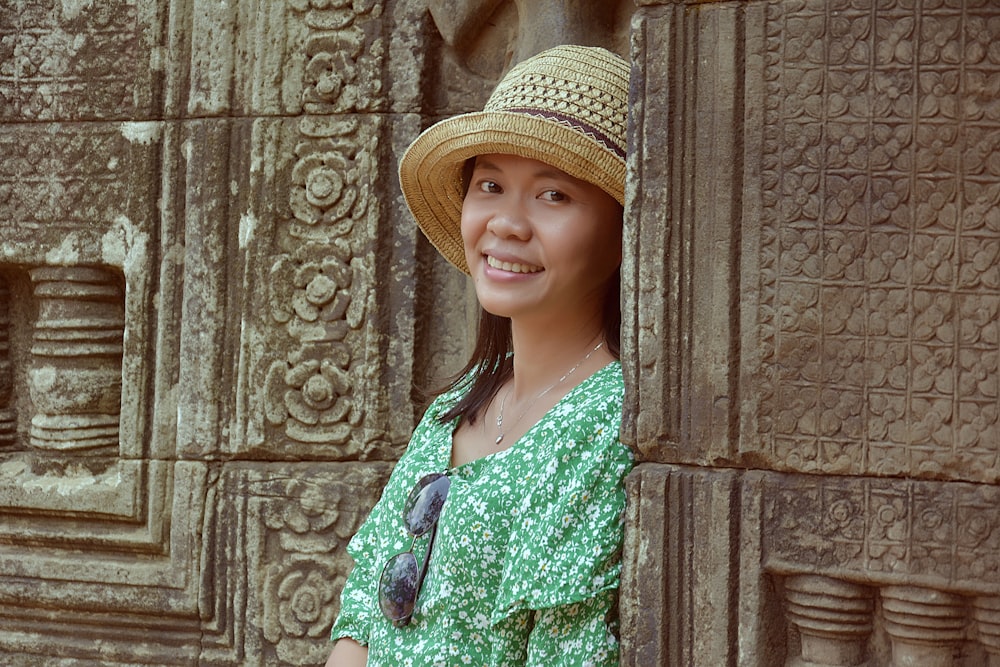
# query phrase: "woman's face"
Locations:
[[539, 243]]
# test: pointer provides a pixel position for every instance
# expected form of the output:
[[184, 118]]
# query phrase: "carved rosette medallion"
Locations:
[[305, 527], [929, 533], [319, 287]]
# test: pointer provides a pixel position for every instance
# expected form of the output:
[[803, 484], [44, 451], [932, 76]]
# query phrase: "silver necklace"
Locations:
[[503, 401]]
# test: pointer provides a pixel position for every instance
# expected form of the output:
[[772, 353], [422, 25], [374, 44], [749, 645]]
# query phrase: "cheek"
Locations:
[[606, 249], [611, 241], [467, 228]]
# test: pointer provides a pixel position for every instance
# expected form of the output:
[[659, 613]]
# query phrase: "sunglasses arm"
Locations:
[[427, 560]]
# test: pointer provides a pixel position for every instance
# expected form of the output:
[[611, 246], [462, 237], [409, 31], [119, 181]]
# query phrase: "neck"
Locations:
[[543, 356]]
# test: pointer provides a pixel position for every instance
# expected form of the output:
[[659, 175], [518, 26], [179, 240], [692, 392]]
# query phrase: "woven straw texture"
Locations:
[[567, 107]]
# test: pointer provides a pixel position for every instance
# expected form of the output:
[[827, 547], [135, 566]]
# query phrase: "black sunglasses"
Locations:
[[400, 583]]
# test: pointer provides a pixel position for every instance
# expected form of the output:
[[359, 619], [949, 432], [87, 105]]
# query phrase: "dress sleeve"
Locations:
[[584, 634], [566, 535], [357, 598]]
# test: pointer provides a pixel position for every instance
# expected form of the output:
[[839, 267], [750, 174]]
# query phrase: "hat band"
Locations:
[[575, 124]]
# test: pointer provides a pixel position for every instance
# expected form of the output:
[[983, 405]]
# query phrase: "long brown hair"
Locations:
[[491, 363]]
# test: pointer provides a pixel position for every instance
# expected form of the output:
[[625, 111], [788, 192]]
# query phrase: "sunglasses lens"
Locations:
[[397, 588], [423, 507]]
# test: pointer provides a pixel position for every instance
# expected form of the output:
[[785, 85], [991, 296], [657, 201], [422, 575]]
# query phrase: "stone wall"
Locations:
[[209, 319], [214, 313], [813, 280]]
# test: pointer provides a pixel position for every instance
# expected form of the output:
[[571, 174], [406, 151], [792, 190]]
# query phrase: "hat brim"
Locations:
[[430, 172]]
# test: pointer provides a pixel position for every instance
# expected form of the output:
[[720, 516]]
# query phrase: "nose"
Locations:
[[509, 220]]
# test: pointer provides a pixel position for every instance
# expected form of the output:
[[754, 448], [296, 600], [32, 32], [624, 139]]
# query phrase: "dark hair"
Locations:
[[491, 361]]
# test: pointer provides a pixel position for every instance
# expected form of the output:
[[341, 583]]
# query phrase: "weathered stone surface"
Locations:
[[875, 255], [214, 310], [810, 283]]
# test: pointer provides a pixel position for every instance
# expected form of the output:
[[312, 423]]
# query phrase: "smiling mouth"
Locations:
[[513, 267]]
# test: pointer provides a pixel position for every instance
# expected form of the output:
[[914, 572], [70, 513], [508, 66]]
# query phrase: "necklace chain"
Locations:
[[503, 401]]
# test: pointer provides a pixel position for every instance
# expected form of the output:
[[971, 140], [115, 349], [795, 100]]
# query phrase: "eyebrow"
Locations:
[[545, 171]]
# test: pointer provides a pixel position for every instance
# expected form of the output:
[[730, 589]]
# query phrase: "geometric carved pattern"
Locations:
[[55, 60], [933, 534], [69, 181], [880, 239]]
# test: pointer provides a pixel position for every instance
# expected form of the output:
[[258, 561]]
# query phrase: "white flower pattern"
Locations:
[[526, 562]]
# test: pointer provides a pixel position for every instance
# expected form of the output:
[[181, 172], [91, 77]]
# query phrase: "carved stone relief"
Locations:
[[927, 549], [879, 290], [213, 312], [812, 272], [75, 378], [164, 312], [512, 30]]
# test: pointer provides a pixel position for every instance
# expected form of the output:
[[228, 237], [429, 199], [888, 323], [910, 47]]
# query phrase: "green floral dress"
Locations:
[[526, 561]]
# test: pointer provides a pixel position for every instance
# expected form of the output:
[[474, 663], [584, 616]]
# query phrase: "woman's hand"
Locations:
[[347, 653]]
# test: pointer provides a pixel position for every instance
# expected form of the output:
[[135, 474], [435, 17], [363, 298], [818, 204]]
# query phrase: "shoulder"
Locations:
[[606, 385], [450, 396], [595, 402], [581, 435]]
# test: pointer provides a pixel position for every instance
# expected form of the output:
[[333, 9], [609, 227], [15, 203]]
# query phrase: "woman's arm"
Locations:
[[347, 653]]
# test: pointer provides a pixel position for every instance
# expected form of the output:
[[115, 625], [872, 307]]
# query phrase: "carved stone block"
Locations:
[[887, 531], [75, 61], [821, 239], [277, 559], [876, 322], [209, 277]]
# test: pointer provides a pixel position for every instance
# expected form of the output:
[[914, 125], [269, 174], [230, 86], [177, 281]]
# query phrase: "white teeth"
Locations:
[[513, 267]]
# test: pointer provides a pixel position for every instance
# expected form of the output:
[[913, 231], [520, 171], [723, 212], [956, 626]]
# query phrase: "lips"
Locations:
[[513, 267]]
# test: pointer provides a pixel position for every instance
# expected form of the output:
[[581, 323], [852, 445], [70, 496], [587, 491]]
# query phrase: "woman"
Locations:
[[497, 539]]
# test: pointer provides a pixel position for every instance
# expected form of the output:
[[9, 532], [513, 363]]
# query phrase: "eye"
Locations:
[[554, 195], [490, 186]]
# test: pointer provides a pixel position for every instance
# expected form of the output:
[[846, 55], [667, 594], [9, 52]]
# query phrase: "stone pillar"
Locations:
[[834, 620], [8, 415], [925, 626], [811, 295], [986, 613], [75, 378]]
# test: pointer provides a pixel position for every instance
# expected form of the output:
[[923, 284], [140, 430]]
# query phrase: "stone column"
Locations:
[[833, 617], [986, 612], [925, 626], [75, 378], [8, 416]]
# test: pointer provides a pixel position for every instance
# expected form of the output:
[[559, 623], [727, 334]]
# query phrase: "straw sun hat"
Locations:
[[566, 106]]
